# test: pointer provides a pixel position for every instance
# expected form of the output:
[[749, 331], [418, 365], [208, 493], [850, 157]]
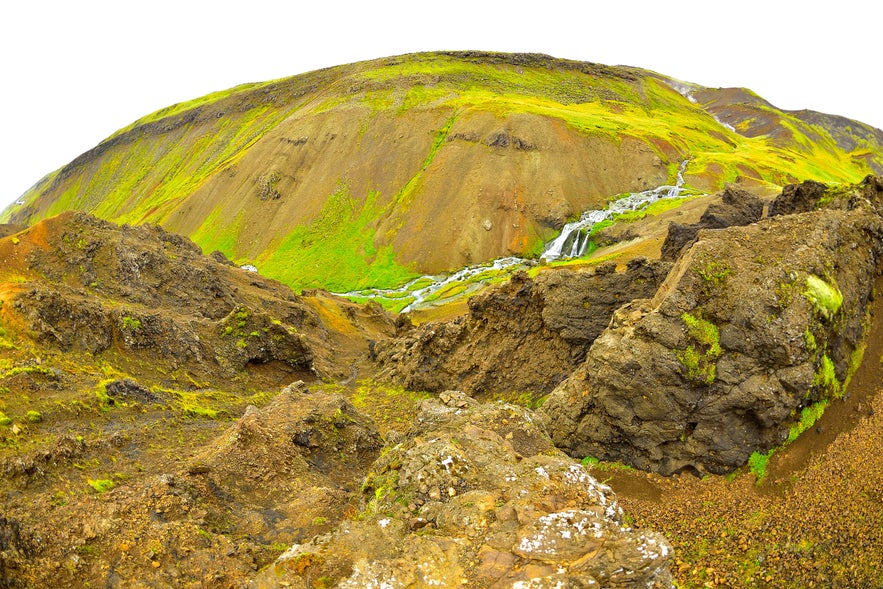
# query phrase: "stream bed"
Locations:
[[572, 242]]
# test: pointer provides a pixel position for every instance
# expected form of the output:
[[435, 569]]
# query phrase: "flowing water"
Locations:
[[574, 238], [573, 242]]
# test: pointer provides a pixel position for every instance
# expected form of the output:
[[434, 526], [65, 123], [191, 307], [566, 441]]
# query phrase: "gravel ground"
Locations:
[[815, 521]]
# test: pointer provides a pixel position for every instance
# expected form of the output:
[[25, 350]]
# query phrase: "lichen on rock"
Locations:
[[475, 495]]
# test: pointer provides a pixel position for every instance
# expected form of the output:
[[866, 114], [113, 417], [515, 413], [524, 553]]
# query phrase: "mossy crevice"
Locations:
[[699, 358]]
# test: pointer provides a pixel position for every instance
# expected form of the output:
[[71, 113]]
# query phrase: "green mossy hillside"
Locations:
[[370, 173]]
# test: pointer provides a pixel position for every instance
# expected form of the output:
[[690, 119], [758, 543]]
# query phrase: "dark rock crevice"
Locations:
[[525, 335]]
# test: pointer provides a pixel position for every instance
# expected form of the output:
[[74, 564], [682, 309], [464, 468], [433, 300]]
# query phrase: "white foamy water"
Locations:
[[572, 242]]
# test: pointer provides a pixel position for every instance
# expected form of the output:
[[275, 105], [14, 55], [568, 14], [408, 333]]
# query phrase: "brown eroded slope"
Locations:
[[124, 354], [371, 173]]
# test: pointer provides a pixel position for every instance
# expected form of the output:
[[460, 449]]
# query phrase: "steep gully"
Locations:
[[572, 242]]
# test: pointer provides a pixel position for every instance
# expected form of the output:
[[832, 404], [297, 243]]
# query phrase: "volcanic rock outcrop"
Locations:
[[525, 335], [737, 207], [475, 495], [89, 286], [750, 325]]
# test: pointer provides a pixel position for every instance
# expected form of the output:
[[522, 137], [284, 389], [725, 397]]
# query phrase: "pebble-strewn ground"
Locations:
[[819, 525]]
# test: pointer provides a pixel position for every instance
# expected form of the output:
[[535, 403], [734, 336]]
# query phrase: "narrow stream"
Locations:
[[573, 241]]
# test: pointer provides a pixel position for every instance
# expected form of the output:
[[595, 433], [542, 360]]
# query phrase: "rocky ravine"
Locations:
[[752, 324], [526, 335]]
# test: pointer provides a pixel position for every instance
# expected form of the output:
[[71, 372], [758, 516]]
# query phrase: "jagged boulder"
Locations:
[[798, 198], [751, 324], [736, 207], [476, 496], [525, 335]]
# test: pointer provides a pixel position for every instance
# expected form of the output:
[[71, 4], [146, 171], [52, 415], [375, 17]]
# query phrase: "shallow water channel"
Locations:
[[572, 242]]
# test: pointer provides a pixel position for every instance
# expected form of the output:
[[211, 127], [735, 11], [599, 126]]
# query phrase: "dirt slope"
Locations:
[[124, 354], [369, 173]]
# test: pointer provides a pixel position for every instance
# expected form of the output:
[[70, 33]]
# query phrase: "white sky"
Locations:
[[72, 73]]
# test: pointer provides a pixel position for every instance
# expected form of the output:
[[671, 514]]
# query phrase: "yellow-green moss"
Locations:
[[699, 358], [826, 298]]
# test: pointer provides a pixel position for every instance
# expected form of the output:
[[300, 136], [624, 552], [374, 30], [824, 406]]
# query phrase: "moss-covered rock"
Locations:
[[740, 337]]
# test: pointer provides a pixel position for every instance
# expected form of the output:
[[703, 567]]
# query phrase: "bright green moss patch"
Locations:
[[336, 251], [101, 485], [104, 401], [808, 417], [810, 341], [757, 463], [826, 379], [29, 369], [4, 420], [825, 298], [131, 324], [699, 358], [704, 332]]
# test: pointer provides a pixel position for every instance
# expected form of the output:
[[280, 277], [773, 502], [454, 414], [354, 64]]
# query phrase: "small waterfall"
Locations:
[[574, 238], [571, 243]]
